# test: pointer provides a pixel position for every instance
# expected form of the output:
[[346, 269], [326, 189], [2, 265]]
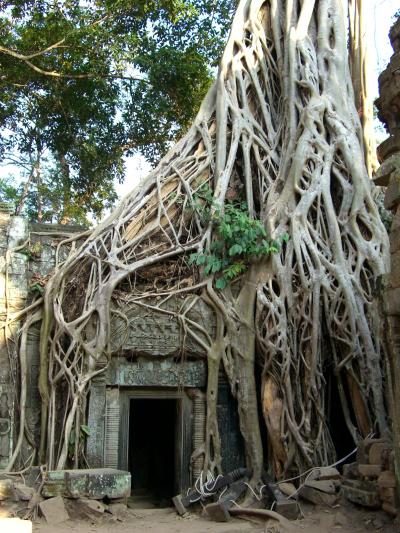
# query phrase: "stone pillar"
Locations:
[[96, 422], [389, 175], [13, 296]]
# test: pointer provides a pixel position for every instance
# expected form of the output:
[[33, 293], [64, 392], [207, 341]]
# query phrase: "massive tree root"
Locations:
[[278, 130]]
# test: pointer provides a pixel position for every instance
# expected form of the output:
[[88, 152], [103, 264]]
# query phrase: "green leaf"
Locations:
[[236, 249], [221, 283], [85, 429], [201, 260]]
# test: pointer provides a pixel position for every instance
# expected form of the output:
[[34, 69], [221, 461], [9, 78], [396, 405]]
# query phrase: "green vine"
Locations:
[[238, 239]]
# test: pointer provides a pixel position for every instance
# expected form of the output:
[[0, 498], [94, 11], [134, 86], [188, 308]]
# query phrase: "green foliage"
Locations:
[[129, 77], [83, 434], [238, 239]]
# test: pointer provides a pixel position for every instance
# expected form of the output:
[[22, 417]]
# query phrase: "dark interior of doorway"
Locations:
[[152, 430]]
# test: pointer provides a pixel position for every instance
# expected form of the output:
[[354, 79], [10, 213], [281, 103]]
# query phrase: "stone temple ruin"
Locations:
[[147, 411], [146, 367]]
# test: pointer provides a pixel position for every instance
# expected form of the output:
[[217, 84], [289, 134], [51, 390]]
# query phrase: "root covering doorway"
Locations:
[[152, 441], [155, 436]]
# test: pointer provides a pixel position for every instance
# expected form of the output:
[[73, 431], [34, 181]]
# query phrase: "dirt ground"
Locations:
[[344, 518]]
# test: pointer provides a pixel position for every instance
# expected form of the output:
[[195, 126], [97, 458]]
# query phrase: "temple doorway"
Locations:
[[152, 448], [154, 441]]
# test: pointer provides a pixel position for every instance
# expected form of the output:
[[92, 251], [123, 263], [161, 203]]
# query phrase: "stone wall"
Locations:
[[27, 257], [148, 359], [388, 175]]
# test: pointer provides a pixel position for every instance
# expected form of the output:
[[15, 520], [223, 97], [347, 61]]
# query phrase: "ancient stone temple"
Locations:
[[151, 390]]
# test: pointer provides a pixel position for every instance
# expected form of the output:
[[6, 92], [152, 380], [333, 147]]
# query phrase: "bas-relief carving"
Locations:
[[157, 333], [96, 419], [164, 373]]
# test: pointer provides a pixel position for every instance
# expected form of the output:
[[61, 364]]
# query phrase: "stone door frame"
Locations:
[[183, 431]]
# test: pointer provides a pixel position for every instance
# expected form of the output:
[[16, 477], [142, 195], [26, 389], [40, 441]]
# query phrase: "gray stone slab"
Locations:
[[96, 483]]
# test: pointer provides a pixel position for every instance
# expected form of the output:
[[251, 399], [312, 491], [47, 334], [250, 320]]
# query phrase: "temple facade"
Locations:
[[146, 412]]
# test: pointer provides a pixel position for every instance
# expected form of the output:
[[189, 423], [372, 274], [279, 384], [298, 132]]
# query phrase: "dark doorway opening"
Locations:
[[152, 437]]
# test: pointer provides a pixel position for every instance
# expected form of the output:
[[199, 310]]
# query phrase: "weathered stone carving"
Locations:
[[96, 418], [159, 332], [157, 373]]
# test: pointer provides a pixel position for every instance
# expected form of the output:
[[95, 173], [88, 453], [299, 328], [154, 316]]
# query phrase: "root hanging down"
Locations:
[[279, 131]]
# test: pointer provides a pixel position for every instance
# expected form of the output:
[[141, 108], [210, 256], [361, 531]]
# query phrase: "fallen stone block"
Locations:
[[289, 508], [327, 486], [325, 473], [23, 492], [94, 484], [219, 511], [361, 496], [6, 489], [54, 510], [370, 471], [318, 497], [387, 479], [288, 489]]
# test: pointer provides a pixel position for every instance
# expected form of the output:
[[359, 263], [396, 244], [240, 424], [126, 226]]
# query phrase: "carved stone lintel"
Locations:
[[156, 373]]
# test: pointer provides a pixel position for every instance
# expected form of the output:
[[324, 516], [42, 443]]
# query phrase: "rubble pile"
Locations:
[[370, 481], [59, 495]]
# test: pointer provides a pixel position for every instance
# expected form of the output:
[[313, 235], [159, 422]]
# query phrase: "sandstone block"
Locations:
[[23, 492], [394, 279], [387, 495], [378, 453], [392, 196], [95, 484], [361, 496], [325, 473], [288, 508], [288, 489], [370, 470], [387, 479], [365, 445], [326, 486], [396, 220], [393, 302], [54, 510], [318, 497], [350, 470], [395, 240], [6, 489]]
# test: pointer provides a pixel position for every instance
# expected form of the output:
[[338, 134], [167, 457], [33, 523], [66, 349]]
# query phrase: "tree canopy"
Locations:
[[84, 84]]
